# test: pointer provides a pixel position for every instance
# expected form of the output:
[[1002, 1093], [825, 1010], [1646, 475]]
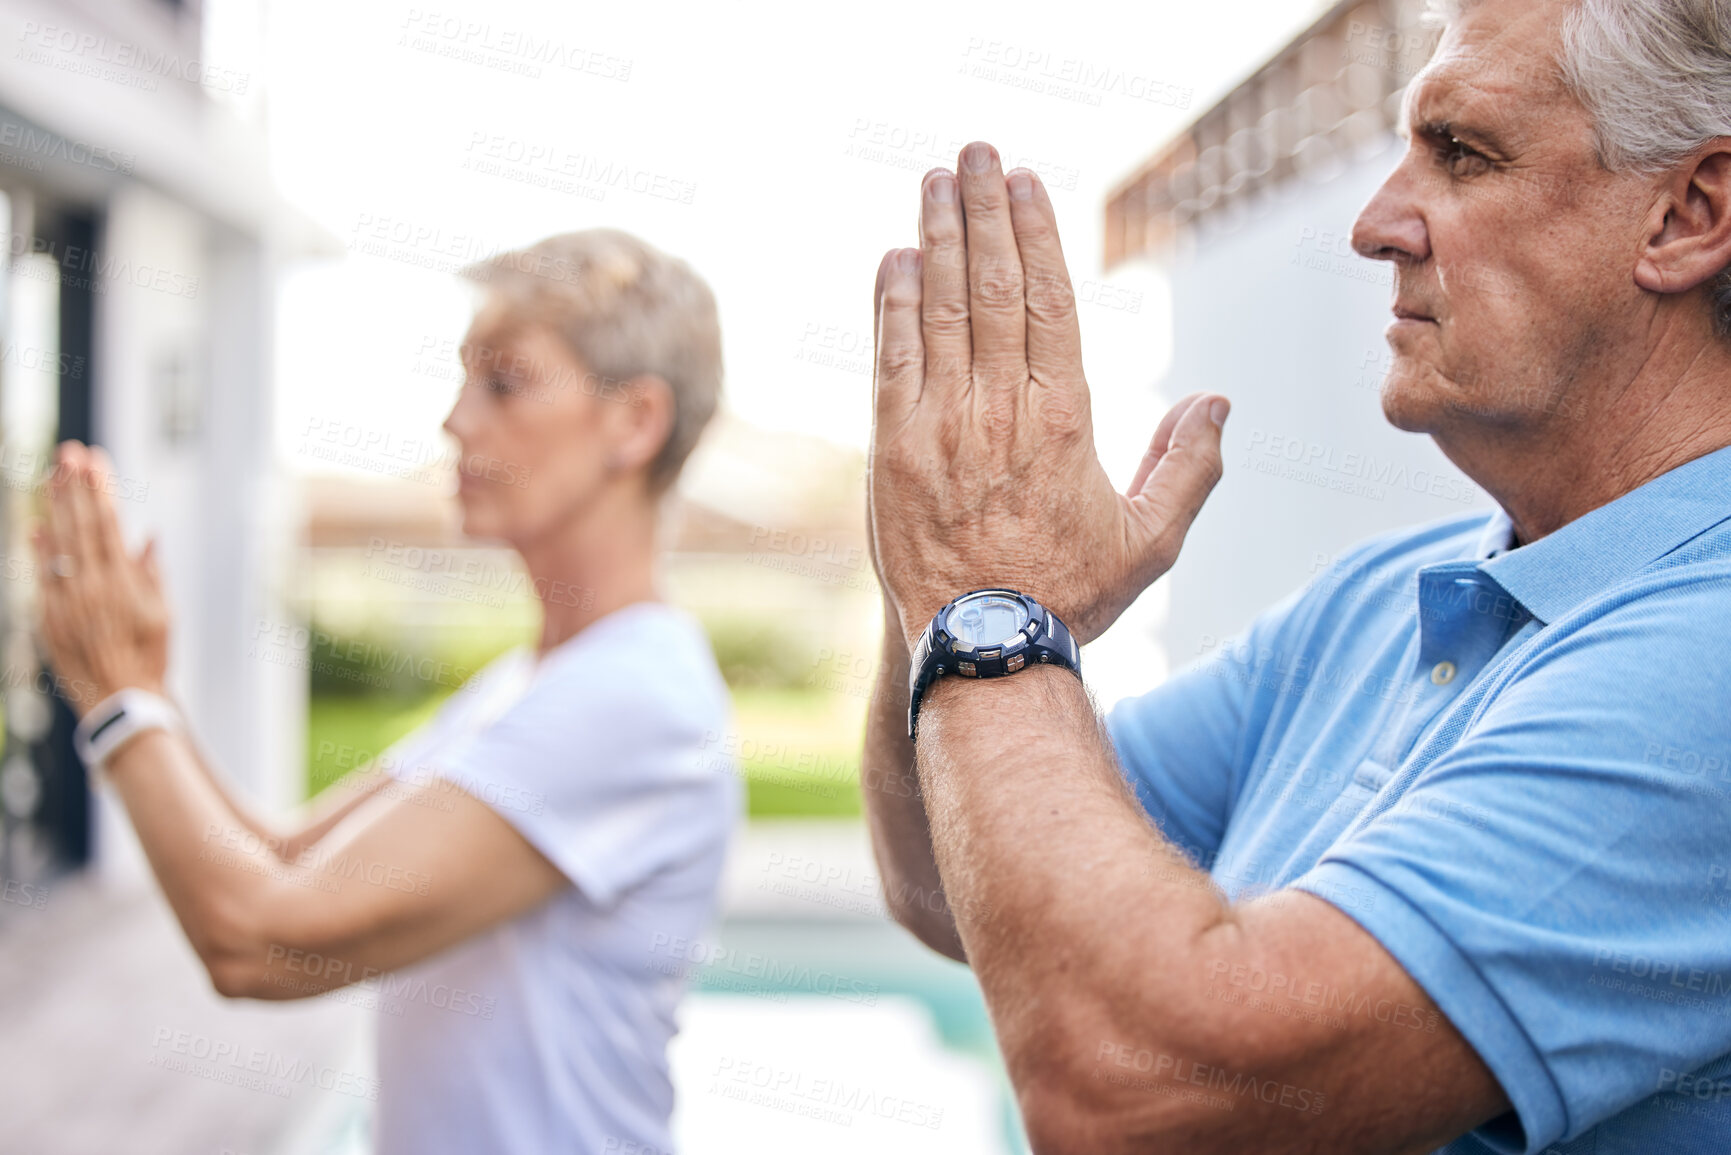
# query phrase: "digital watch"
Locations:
[[987, 634]]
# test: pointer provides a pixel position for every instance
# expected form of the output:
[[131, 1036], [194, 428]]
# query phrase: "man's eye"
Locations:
[[498, 386], [1463, 160]]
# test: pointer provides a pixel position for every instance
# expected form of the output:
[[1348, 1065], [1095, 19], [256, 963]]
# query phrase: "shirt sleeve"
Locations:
[[1183, 744], [607, 768], [1556, 879]]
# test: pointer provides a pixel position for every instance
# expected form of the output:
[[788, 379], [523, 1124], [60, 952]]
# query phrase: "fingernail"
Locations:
[[1217, 412], [977, 157], [942, 189], [908, 261], [1021, 184]]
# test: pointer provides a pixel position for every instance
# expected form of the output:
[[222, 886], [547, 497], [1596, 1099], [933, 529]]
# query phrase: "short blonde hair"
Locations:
[[626, 309]]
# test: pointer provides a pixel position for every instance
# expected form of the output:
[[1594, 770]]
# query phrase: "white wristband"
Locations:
[[117, 718]]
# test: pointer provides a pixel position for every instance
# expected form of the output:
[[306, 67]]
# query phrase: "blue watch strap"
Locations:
[[1052, 644]]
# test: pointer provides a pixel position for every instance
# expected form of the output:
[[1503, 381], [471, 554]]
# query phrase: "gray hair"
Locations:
[[1656, 77], [626, 308]]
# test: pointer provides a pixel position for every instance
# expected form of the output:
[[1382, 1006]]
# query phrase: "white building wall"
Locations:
[[181, 380], [141, 333], [252, 712], [1280, 315], [183, 403]]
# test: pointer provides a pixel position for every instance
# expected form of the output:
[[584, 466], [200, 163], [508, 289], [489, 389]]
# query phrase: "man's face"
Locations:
[[1514, 249]]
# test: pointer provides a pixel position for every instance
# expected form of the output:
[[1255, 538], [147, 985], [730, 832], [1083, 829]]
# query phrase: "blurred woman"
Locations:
[[506, 879]]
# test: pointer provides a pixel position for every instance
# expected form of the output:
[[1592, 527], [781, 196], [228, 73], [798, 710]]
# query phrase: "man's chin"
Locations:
[[1410, 407]]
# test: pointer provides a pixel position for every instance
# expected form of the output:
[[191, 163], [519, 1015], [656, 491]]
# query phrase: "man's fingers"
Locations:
[[877, 310], [1054, 340], [997, 311], [148, 564], [1158, 443], [901, 356], [944, 281], [1188, 468]]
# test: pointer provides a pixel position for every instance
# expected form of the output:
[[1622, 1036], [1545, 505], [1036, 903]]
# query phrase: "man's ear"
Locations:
[[1689, 237], [642, 423]]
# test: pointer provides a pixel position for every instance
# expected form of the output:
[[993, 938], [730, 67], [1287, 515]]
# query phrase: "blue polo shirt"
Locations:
[[1513, 768]]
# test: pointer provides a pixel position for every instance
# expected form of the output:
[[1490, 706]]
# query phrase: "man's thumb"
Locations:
[[1189, 466], [147, 561]]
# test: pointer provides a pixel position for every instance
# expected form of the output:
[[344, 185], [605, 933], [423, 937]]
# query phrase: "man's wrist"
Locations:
[[987, 635], [947, 698], [914, 623]]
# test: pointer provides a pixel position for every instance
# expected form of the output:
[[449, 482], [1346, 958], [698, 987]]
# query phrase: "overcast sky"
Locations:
[[779, 151]]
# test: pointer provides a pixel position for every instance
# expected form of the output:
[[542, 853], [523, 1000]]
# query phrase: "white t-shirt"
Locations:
[[549, 1033]]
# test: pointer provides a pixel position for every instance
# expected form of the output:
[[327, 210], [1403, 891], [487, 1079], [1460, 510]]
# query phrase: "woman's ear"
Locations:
[[642, 424]]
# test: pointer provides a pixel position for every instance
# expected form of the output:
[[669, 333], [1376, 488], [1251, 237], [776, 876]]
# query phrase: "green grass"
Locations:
[[799, 748], [344, 732]]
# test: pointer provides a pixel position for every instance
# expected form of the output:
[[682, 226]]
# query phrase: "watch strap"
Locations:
[[111, 722], [1053, 645], [921, 671], [1060, 648]]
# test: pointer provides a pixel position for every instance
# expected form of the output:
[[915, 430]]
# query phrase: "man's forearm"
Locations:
[[1031, 819], [895, 810]]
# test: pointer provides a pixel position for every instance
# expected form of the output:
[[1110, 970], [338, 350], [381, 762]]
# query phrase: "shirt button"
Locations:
[[1442, 673]]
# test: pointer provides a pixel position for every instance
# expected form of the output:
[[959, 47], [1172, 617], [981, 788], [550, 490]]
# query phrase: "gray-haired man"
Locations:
[[1497, 924]]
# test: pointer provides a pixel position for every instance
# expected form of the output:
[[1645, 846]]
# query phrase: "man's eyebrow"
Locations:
[[1452, 107], [1451, 115], [1469, 132]]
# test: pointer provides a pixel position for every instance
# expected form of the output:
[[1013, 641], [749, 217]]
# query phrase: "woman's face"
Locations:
[[540, 437]]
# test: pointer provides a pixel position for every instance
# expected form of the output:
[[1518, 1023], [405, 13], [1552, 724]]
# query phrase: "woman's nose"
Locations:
[[459, 421]]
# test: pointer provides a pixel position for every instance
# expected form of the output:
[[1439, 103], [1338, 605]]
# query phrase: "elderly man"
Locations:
[[1464, 843]]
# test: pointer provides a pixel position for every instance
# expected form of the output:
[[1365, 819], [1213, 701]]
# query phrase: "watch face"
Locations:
[[986, 620]]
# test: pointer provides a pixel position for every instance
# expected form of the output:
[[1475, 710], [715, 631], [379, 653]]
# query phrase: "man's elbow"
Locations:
[[1112, 1117], [935, 930], [1085, 1083], [923, 912]]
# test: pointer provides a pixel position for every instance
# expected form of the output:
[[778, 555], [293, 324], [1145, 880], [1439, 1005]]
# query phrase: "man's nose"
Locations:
[[1390, 227]]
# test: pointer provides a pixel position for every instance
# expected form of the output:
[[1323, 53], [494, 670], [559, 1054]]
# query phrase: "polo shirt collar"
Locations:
[[1498, 536], [1611, 544]]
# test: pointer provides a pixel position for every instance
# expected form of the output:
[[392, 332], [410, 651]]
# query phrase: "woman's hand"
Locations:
[[105, 622]]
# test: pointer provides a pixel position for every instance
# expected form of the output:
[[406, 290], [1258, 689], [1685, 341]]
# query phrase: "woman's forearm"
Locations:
[[211, 873], [292, 837], [242, 816]]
